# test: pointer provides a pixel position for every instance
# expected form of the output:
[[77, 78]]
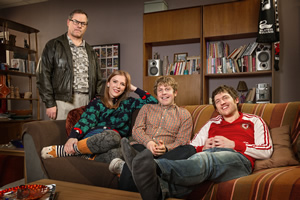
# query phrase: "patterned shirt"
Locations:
[[80, 67], [119, 119], [171, 124]]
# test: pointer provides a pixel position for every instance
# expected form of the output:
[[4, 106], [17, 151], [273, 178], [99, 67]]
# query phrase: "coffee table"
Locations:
[[74, 191], [12, 151]]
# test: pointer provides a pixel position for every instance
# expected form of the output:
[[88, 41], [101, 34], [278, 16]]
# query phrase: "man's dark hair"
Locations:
[[224, 88], [78, 11]]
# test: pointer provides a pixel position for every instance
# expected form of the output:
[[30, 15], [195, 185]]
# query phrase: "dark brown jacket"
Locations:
[[55, 72]]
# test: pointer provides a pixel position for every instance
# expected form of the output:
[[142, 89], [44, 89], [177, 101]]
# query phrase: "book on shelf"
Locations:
[[193, 64], [238, 58], [180, 68], [215, 52], [241, 59], [232, 53], [248, 65], [224, 65], [250, 97]]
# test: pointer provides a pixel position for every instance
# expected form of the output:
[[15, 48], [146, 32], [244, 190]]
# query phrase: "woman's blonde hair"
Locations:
[[106, 98]]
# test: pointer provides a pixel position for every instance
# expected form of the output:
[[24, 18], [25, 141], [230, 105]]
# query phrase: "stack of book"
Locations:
[[193, 64], [216, 56], [241, 59], [190, 66]]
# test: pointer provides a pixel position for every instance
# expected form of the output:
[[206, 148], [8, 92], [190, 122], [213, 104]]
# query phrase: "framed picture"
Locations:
[[180, 57], [108, 57]]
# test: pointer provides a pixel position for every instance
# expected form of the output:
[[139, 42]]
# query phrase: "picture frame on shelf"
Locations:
[[108, 57], [180, 57]]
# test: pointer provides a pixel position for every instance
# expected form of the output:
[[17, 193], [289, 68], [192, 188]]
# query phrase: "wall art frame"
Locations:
[[108, 57], [180, 57]]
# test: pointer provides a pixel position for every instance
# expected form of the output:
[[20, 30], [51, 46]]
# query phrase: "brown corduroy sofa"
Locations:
[[275, 178]]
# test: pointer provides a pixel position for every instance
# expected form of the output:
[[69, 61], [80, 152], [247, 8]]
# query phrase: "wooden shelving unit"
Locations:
[[183, 26], [12, 129], [228, 21], [231, 21]]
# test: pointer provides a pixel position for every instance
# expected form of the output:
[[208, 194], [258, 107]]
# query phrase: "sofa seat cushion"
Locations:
[[80, 170], [274, 183]]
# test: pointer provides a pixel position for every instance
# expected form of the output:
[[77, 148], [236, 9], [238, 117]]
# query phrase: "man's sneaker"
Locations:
[[116, 166]]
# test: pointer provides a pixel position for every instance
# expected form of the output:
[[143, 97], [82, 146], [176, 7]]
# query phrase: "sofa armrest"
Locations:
[[37, 135]]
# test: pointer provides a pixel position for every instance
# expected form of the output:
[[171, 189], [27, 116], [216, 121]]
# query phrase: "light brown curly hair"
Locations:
[[165, 80]]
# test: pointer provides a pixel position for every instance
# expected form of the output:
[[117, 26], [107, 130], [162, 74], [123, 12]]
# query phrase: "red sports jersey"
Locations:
[[249, 132]]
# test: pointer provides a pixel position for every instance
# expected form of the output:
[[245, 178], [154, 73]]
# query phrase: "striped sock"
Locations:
[[54, 152], [77, 152]]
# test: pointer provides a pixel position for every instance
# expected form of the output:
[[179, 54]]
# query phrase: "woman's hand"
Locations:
[[132, 88], [69, 145]]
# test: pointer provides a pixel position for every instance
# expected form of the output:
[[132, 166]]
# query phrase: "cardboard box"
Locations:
[[155, 6]]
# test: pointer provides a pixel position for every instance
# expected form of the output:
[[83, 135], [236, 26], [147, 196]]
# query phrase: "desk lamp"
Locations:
[[242, 87]]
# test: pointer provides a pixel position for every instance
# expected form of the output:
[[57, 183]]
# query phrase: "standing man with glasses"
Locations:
[[68, 73]]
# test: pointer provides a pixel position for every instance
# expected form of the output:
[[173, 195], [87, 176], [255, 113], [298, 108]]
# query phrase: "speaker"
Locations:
[[154, 67], [263, 57]]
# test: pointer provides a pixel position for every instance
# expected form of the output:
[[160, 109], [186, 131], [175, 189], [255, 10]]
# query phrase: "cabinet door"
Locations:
[[231, 18], [172, 25]]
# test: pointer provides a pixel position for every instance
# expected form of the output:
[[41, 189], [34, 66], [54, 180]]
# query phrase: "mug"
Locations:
[[27, 95]]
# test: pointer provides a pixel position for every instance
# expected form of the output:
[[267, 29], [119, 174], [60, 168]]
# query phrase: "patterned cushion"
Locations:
[[72, 118]]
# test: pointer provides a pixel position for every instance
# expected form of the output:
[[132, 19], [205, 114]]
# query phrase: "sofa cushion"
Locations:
[[80, 170], [275, 183], [73, 117], [282, 154]]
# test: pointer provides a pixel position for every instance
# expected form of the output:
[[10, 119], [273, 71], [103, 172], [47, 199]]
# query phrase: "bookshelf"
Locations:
[[235, 23], [20, 109], [168, 29], [231, 22]]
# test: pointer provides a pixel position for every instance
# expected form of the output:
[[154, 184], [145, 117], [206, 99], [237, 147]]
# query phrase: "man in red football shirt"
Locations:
[[226, 146]]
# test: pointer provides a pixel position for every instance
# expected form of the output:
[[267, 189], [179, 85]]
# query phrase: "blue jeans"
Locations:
[[216, 164]]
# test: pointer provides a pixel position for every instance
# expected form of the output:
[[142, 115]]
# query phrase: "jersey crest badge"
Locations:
[[245, 126]]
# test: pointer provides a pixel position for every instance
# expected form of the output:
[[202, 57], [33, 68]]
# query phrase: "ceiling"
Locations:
[[14, 3]]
